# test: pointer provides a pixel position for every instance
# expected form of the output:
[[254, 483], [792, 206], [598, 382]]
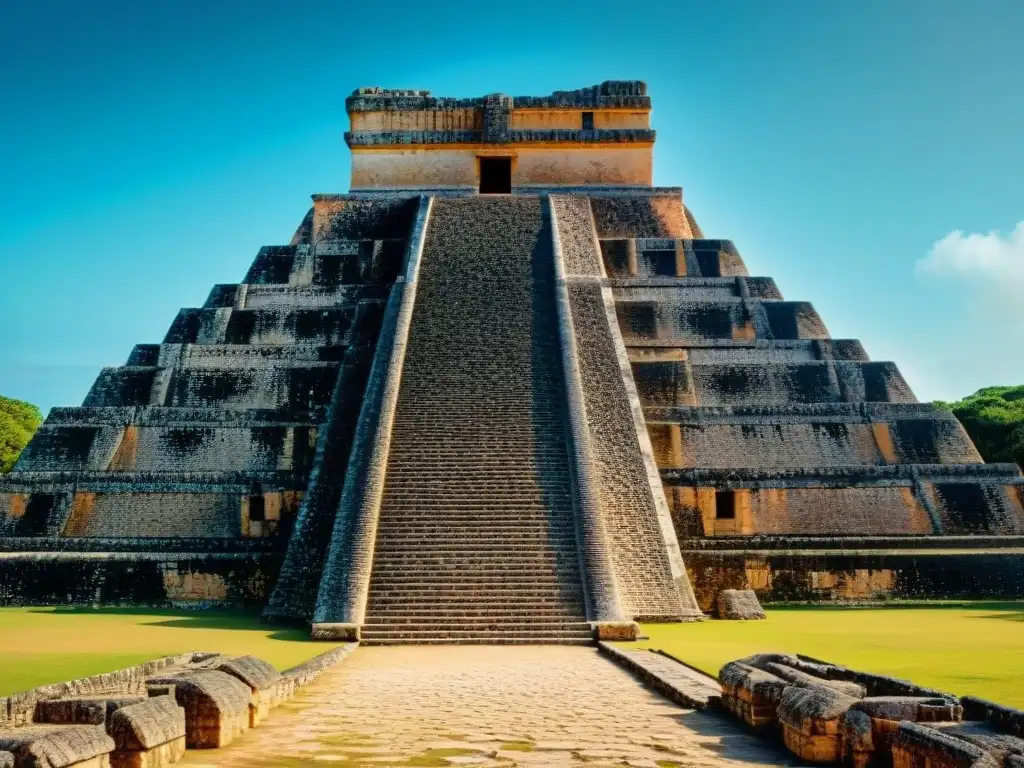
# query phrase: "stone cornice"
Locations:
[[559, 136], [611, 94]]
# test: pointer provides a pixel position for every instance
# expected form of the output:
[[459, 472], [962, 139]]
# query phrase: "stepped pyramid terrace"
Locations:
[[502, 390]]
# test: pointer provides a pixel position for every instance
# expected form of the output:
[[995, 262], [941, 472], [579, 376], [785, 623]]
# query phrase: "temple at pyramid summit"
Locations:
[[504, 389]]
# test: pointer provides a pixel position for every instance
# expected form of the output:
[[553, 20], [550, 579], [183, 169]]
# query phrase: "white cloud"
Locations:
[[986, 259], [978, 282]]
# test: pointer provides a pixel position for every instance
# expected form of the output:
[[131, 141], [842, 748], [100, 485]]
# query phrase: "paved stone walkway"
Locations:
[[487, 706]]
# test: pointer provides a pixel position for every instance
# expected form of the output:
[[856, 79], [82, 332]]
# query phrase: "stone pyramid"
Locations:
[[504, 390]]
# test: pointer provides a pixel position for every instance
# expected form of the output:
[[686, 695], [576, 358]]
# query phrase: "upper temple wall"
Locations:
[[593, 137]]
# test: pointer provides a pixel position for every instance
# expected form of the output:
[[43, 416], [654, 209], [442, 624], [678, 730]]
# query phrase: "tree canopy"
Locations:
[[18, 422], [994, 418]]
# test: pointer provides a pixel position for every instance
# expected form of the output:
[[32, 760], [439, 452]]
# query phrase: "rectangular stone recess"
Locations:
[[495, 175]]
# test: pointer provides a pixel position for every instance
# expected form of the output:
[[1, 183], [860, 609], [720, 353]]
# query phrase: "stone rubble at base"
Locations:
[[146, 716], [829, 714]]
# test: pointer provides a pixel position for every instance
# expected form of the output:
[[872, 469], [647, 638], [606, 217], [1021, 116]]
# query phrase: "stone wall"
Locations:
[[135, 579], [857, 574], [457, 167]]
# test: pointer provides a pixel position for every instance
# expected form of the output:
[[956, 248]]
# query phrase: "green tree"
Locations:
[[18, 422], [994, 418]]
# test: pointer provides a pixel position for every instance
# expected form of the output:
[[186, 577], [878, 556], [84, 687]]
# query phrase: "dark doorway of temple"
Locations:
[[495, 175]]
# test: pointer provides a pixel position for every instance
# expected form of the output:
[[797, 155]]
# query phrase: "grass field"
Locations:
[[974, 648], [51, 645]]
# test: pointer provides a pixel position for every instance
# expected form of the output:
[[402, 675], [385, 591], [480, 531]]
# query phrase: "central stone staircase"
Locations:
[[476, 539]]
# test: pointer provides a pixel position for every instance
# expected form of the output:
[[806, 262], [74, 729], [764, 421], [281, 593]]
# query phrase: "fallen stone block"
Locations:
[[824, 671], [148, 734], [262, 679], [875, 685], [610, 631], [310, 670], [805, 680], [880, 717], [1001, 746], [752, 694], [58, 746], [92, 710], [216, 706], [1001, 718], [857, 739], [739, 604], [810, 719], [918, 745]]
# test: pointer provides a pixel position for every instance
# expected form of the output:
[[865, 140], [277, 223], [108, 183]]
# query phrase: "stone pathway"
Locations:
[[487, 706]]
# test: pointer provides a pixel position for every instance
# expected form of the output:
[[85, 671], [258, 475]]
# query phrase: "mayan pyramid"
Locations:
[[503, 390]]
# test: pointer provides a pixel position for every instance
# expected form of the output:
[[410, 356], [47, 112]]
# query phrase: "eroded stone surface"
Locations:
[[511, 706]]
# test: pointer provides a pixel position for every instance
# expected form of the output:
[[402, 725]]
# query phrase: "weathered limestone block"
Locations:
[[93, 710], [986, 736], [752, 694], [216, 707], [739, 604], [918, 746], [810, 720], [883, 717], [858, 743], [58, 746], [1000, 718], [6, 760], [616, 630], [310, 670], [805, 680], [148, 734], [261, 678]]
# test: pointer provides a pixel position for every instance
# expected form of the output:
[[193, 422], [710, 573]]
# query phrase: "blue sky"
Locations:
[[868, 155]]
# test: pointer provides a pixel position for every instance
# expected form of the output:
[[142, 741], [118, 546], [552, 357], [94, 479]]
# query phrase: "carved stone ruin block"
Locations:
[[149, 734], [810, 720], [58, 746], [261, 678], [216, 707], [739, 604], [752, 694]]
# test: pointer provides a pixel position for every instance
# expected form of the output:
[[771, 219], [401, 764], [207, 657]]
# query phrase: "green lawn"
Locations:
[[51, 645], [973, 648]]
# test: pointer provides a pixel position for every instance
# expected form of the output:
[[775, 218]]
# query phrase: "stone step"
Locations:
[[428, 615], [456, 545], [467, 573], [461, 569], [426, 622], [473, 597], [477, 582], [443, 627], [476, 540], [471, 509], [506, 517], [379, 639], [444, 611], [539, 529], [471, 552]]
